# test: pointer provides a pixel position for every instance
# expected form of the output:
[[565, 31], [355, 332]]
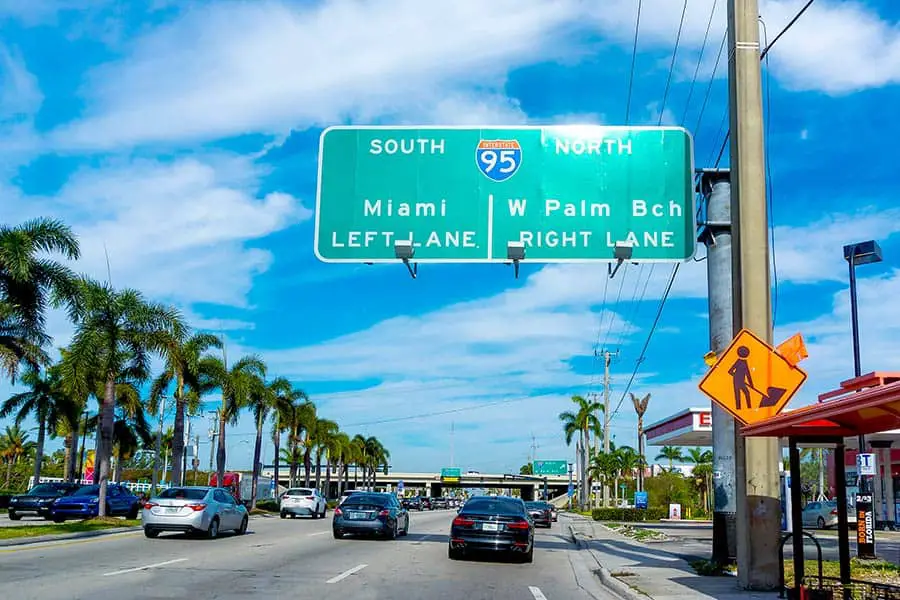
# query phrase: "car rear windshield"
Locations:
[[182, 494], [492, 506], [299, 492], [366, 500], [530, 505]]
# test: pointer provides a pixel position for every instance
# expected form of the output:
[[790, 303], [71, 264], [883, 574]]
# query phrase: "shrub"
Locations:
[[630, 515], [267, 505]]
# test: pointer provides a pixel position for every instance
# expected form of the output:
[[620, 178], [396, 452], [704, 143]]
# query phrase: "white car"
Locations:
[[302, 501]]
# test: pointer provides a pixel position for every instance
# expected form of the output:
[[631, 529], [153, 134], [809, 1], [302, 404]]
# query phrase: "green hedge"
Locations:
[[267, 505], [628, 514]]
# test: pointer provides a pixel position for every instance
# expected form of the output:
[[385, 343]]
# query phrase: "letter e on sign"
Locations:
[[751, 380], [705, 419]]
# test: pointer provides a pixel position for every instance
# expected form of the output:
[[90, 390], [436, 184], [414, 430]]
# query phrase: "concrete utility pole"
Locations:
[[606, 416], [756, 459], [715, 185]]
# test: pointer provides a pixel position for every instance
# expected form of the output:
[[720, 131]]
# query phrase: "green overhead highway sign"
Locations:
[[550, 467], [451, 475], [463, 194]]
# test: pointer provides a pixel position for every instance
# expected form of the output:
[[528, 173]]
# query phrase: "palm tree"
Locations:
[[376, 454], [286, 397], [338, 453], [131, 431], [235, 383], [14, 445], [46, 402], [358, 458], [183, 356], [303, 423], [582, 421], [671, 453], [260, 399], [29, 283], [702, 472], [115, 334], [324, 432]]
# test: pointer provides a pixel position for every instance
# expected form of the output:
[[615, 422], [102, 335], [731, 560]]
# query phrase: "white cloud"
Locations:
[[229, 68], [175, 230]]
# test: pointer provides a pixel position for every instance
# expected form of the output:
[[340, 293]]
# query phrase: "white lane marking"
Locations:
[[145, 567], [537, 593], [347, 573], [318, 533]]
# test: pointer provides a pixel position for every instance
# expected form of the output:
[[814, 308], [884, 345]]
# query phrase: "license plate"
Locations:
[[356, 515], [490, 527], [172, 509]]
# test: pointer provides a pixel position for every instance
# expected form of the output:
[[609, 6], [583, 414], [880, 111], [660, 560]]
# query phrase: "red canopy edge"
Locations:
[[863, 405]]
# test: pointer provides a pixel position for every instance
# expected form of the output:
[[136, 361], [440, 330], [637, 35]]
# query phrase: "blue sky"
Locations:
[[182, 138]]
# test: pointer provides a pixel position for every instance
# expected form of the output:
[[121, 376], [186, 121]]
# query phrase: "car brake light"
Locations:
[[310, 497], [197, 507], [463, 522], [338, 512], [150, 505], [384, 513], [834, 511], [517, 525]]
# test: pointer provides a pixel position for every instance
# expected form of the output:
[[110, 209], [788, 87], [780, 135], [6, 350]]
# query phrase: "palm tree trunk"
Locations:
[[9, 466], [257, 451], [276, 462], [307, 465], [318, 469], [220, 451], [104, 454], [327, 491], [39, 451], [118, 472], [178, 434], [67, 466]]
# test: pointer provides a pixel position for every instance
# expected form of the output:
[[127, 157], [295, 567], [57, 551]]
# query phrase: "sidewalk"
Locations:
[[637, 570]]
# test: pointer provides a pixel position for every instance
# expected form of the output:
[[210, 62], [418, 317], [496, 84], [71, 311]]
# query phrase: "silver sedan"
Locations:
[[205, 510]]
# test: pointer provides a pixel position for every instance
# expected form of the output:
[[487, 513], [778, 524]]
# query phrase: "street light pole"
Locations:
[[862, 253]]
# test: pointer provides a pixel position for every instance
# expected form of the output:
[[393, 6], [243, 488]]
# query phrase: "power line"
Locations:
[[659, 310], [687, 102], [672, 65], [637, 28]]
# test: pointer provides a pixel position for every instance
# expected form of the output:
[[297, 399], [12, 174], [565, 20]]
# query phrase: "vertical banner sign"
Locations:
[[640, 499], [865, 526]]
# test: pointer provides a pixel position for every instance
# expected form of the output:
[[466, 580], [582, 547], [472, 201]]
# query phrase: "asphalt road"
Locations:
[[25, 520], [291, 559], [692, 539]]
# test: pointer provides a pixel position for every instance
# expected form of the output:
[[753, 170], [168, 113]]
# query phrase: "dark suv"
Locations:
[[414, 503], [39, 499]]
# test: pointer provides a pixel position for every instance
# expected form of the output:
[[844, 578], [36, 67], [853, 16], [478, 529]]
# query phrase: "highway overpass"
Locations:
[[430, 484]]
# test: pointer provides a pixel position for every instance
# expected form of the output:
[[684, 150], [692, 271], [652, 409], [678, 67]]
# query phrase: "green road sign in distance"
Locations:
[[462, 194], [451, 473], [550, 467]]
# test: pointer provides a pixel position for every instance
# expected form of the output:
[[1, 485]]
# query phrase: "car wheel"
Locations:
[[150, 533], [821, 523], [132, 513], [13, 516], [405, 531], [213, 530], [283, 515], [243, 528], [528, 557], [59, 519], [392, 533], [453, 553], [337, 534]]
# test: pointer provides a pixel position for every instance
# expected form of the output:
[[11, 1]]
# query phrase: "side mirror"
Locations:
[[459, 508]]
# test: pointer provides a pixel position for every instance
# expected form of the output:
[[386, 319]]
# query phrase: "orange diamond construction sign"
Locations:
[[751, 380]]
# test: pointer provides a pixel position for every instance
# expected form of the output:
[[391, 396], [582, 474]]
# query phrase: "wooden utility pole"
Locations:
[[756, 459]]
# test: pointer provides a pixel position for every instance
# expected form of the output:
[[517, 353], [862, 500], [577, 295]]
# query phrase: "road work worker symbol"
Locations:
[[751, 380]]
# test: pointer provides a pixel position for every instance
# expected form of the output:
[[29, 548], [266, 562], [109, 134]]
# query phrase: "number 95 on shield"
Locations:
[[498, 160]]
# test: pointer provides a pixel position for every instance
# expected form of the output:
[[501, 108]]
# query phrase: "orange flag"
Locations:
[[793, 349]]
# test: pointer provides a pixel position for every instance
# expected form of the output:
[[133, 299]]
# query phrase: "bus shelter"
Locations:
[[862, 406]]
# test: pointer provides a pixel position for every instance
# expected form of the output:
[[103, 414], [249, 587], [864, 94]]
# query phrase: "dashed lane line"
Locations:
[[347, 573], [145, 567]]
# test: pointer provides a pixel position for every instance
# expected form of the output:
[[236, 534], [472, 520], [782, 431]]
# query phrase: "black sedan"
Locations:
[[414, 503], [495, 524], [372, 514], [541, 513], [39, 499]]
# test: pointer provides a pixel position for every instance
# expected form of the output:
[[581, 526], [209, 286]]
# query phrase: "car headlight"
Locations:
[[13, 500], [95, 500]]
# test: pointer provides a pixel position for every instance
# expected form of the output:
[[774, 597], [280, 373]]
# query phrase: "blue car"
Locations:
[[82, 504]]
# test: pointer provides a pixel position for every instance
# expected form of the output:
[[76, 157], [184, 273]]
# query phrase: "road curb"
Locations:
[[39, 539], [612, 583]]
